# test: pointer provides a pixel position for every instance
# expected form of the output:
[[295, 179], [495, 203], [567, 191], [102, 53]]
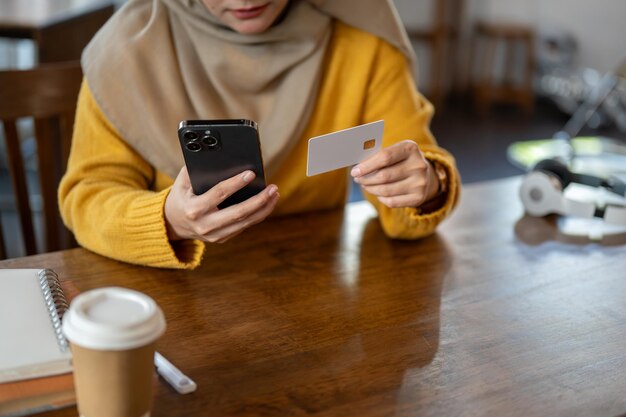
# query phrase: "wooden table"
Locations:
[[496, 315], [60, 28]]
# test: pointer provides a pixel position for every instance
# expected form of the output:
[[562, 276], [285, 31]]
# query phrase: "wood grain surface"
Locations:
[[320, 314]]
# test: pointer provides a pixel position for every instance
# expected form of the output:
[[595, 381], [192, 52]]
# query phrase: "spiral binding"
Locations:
[[55, 302]]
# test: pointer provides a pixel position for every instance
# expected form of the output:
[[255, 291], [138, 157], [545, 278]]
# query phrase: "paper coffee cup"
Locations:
[[112, 333]]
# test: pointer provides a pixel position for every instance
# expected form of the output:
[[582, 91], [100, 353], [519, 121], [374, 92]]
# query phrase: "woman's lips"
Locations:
[[249, 13]]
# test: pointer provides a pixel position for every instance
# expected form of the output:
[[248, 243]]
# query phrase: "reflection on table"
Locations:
[[322, 314]]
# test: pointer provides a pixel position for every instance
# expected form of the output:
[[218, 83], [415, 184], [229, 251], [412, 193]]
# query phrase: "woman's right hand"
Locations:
[[190, 216]]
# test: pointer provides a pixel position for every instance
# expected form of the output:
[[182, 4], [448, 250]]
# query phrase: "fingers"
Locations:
[[407, 185], [240, 213], [229, 222], [398, 175], [410, 192], [183, 177], [224, 189], [190, 216], [388, 175], [255, 217], [386, 157]]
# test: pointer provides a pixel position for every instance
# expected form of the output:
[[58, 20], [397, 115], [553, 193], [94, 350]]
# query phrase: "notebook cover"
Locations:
[[29, 347]]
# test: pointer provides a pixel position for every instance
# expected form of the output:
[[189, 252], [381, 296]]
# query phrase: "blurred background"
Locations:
[[498, 72], [502, 71]]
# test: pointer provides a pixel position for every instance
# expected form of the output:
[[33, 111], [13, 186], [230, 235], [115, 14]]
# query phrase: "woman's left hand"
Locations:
[[399, 175]]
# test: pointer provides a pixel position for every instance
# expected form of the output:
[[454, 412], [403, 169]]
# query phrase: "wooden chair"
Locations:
[[486, 88], [442, 40], [48, 94]]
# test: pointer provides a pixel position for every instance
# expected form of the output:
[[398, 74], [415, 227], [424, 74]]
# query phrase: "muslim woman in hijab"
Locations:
[[299, 68]]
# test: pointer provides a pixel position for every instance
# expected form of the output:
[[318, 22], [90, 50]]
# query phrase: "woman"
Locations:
[[299, 68]]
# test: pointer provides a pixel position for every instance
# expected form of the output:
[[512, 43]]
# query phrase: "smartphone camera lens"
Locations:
[[194, 146], [210, 141], [190, 135]]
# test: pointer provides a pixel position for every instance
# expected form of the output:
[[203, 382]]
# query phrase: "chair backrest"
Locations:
[[48, 94]]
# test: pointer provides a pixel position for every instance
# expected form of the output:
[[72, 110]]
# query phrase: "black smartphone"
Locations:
[[215, 150]]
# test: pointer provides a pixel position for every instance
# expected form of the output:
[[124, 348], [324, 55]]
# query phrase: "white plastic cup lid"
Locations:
[[113, 318]]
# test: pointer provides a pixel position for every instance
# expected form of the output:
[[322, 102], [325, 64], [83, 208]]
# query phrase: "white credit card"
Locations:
[[344, 148]]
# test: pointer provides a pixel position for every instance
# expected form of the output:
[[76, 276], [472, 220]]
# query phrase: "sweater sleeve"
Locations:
[[106, 197], [393, 96]]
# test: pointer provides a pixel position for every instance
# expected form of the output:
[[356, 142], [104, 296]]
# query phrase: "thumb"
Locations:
[[183, 178]]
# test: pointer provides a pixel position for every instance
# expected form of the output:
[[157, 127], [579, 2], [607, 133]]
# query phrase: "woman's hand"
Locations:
[[190, 216], [399, 176]]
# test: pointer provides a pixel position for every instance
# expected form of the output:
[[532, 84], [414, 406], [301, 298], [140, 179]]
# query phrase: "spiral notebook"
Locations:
[[32, 343]]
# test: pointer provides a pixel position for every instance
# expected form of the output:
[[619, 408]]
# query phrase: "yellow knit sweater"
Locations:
[[112, 199]]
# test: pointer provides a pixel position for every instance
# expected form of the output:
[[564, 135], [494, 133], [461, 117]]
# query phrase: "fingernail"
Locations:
[[356, 171], [273, 189], [248, 176]]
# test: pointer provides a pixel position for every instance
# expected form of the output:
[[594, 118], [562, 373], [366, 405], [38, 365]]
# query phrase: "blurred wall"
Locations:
[[598, 25]]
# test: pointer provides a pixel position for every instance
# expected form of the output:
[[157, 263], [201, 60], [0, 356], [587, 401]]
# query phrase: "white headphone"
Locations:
[[542, 193]]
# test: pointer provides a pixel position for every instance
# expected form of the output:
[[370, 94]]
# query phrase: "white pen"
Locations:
[[181, 382]]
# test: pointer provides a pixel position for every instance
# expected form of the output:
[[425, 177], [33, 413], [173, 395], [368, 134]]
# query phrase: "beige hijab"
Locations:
[[157, 62]]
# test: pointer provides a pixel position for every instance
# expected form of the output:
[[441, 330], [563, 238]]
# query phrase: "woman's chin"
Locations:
[[249, 27]]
